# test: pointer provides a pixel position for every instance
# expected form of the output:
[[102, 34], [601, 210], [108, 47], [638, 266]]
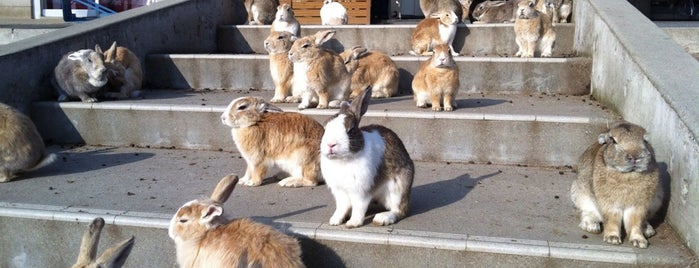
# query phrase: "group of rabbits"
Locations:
[[263, 12]]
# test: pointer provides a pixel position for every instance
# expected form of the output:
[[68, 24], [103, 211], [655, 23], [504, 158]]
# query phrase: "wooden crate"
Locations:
[[308, 11]]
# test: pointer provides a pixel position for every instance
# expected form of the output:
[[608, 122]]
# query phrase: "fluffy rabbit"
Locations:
[[285, 21], [618, 183], [371, 68], [80, 74], [318, 72], [21, 146], [432, 7], [495, 11], [333, 13], [439, 29], [532, 27], [114, 256], [205, 238], [277, 45], [261, 11], [124, 72], [266, 136], [437, 81], [565, 7], [364, 164]]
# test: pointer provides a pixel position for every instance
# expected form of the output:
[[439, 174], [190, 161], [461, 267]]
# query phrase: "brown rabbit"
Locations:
[[532, 27], [438, 29], [618, 183], [371, 68], [437, 81], [495, 11], [125, 74], [285, 21], [21, 146], [114, 256], [266, 136], [281, 68], [318, 72], [204, 238], [431, 7], [261, 11]]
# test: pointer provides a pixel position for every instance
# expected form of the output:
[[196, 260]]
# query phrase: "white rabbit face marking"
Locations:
[[335, 141]]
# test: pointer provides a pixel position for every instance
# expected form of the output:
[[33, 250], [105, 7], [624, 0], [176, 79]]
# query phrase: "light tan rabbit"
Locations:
[[261, 11], [531, 28], [437, 81], [204, 238], [618, 184], [465, 10], [318, 72], [277, 45], [371, 68], [114, 256], [21, 146], [125, 74], [432, 7], [495, 11], [439, 29], [285, 21], [266, 136]]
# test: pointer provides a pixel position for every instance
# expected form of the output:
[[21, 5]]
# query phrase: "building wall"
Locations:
[[16, 9]]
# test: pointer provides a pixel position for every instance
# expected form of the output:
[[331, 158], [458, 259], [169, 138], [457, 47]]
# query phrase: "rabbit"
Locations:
[[125, 73], [333, 13], [277, 45], [261, 12], [205, 238], [21, 146], [319, 73], [80, 74], [266, 136], [465, 10], [565, 7], [618, 182], [371, 68], [432, 7], [495, 11], [285, 21], [364, 164], [437, 81], [114, 256], [532, 27], [439, 29]]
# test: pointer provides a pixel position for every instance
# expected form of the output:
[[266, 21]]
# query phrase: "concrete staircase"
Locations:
[[491, 188]]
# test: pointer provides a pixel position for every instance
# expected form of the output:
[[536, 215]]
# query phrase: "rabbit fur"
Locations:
[[21, 146], [531, 28], [371, 68], [437, 81], [285, 21], [439, 29], [80, 75], [278, 45], [114, 257], [125, 74], [261, 12], [432, 7], [364, 164], [617, 184], [333, 13], [495, 11]]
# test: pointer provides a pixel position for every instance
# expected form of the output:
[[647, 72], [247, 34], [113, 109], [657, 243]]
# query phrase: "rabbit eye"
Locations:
[[242, 107], [280, 37], [184, 220], [305, 46]]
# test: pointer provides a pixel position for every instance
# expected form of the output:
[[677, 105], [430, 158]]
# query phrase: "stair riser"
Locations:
[[504, 75], [502, 141], [470, 40]]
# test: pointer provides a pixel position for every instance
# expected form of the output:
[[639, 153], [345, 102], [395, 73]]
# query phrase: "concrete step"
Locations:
[[537, 129], [473, 40], [460, 214], [569, 76]]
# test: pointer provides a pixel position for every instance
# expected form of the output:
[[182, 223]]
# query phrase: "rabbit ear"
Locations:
[[91, 237], [324, 36], [116, 255], [264, 107], [98, 49], [111, 52], [358, 52], [604, 138], [360, 104], [224, 188], [210, 213]]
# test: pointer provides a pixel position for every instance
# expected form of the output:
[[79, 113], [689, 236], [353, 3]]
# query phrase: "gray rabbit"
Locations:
[[81, 75]]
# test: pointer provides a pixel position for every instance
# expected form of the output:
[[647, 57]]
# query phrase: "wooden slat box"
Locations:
[[308, 11]]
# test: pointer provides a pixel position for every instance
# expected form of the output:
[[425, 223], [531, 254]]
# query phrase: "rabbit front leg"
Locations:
[[634, 222], [5, 175], [612, 226], [253, 174], [84, 97], [342, 207], [360, 204], [435, 99]]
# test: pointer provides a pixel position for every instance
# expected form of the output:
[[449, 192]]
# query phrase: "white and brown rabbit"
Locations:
[[80, 75], [333, 13], [205, 238], [266, 136], [115, 256], [437, 81], [364, 164], [125, 72], [618, 184], [438, 29], [261, 12], [278, 45], [371, 68], [565, 7], [285, 21], [431, 7], [21, 146], [533, 30], [495, 11], [318, 72]]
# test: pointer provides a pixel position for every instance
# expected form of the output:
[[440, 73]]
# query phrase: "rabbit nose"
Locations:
[[331, 146]]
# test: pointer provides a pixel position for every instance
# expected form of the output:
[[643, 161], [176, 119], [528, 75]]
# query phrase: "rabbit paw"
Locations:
[[612, 239], [546, 55], [248, 182], [639, 242], [354, 223], [384, 218], [648, 230], [590, 226], [295, 182], [335, 220], [89, 100]]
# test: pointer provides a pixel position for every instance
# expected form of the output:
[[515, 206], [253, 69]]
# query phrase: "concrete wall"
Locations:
[[16, 9], [173, 26], [650, 80]]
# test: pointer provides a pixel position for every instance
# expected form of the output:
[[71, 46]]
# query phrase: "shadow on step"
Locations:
[[443, 193], [79, 162]]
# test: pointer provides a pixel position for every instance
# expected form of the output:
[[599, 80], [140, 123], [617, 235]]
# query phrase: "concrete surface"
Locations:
[[543, 130], [12, 30], [456, 210], [650, 83], [684, 33]]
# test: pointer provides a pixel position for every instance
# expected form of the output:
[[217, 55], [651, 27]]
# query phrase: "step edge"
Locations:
[[231, 56]]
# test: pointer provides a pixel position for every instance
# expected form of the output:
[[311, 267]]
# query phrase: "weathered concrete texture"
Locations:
[[476, 40], [653, 84], [686, 34], [482, 74], [533, 130]]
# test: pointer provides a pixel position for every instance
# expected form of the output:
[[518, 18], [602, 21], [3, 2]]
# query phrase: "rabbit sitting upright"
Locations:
[[80, 74]]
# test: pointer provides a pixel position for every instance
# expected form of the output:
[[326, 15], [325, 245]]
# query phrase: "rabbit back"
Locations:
[[371, 68], [21, 146]]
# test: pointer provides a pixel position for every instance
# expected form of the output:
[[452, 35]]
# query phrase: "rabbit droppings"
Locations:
[[21, 146]]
